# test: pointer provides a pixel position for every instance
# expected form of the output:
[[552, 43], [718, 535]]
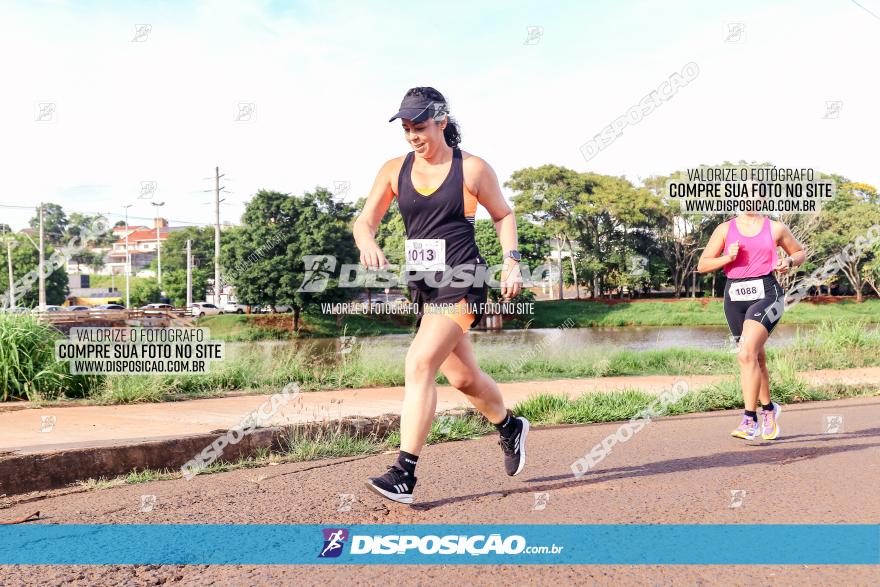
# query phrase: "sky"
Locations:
[[152, 92]]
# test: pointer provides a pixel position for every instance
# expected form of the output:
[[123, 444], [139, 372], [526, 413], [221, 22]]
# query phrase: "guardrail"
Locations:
[[136, 317]]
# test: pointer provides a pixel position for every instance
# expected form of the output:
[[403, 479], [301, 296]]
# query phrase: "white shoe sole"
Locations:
[[522, 445], [777, 409], [398, 497]]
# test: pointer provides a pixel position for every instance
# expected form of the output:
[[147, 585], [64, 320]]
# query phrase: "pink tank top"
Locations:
[[757, 254]]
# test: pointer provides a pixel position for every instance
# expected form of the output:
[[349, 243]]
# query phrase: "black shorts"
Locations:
[[766, 309], [450, 293]]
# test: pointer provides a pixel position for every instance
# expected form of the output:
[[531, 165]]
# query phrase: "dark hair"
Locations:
[[452, 133]]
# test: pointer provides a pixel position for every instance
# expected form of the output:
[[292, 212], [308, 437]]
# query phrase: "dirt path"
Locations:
[[39, 429], [675, 470]]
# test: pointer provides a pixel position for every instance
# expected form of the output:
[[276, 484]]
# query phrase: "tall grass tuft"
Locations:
[[28, 369]]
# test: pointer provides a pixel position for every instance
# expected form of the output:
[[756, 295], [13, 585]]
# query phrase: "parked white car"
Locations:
[[234, 308], [200, 309]]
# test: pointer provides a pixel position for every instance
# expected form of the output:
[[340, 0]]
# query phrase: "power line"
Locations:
[[113, 214]]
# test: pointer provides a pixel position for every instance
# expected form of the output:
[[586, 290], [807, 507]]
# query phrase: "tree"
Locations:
[[266, 254], [145, 292], [534, 244], [24, 263], [94, 228], [54, 223], [174, 262], [844, 220]]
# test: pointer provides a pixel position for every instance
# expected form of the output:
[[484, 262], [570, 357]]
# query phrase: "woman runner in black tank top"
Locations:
[[445, 269], [441, 215]]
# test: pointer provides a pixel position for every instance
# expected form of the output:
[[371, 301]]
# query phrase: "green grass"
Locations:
[[28, 369], [264, 368], [248, 327], [107, 280], [785, 387], [549, 314]]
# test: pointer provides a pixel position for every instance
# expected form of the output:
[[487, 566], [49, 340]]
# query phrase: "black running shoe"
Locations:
[[396, 484], [514, 447]]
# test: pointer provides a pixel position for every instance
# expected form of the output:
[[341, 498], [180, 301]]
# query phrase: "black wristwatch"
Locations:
[[514, 254]]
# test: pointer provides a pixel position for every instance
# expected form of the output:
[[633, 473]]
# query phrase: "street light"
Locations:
[[158, 246], [127, 258]]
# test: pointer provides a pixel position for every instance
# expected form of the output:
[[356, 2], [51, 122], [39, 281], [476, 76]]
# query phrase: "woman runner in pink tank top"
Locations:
[[745, 247]]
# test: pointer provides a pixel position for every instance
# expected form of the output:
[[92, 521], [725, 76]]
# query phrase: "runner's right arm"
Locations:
[[367, 223], [710, 260]]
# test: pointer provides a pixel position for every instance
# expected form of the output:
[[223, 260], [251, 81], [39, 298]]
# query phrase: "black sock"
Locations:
[[407, 462], [752, 415], [768, 407], [506, 427]]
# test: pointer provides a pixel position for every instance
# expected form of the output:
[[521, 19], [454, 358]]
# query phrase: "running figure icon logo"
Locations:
[[334, 540], [317, 272]]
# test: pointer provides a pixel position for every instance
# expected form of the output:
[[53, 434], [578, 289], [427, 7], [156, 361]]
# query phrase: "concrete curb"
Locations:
[[55, 469]]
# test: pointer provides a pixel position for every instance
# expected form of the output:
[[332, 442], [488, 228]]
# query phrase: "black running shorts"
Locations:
[[753, 298]]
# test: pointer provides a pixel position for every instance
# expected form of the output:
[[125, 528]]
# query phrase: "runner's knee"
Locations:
[[463, 380], [747, 356], [419, 365]]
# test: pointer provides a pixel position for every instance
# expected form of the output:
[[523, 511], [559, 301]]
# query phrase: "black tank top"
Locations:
[[440, 214]]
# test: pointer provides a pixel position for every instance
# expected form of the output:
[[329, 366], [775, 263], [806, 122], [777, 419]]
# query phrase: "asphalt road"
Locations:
[[675, 470]]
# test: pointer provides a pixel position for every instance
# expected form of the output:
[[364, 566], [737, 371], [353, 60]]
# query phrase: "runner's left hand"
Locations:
[[511, 279], [781, 266]]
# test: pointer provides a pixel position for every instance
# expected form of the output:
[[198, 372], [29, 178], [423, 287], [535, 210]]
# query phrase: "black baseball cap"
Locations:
[[420, 108]]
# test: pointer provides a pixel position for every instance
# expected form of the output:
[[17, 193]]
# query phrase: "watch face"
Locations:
[[514, 255]]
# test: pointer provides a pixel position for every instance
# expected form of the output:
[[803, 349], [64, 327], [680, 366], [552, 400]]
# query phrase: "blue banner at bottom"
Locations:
[[625, 544]]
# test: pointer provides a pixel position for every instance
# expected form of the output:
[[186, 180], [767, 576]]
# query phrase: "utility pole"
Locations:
[[127, 259], [8, 238], [189, 274], [41, 268], [217, 177], [158, 246]]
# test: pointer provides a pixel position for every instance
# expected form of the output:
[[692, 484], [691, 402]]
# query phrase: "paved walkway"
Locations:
[[37, 430]]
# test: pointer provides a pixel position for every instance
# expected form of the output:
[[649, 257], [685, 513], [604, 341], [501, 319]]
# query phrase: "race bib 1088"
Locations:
[[746, 291]]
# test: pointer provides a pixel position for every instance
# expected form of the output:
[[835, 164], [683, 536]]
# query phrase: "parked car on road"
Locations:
[[271, 310], [234, 308], [78, 308], [50, 308], [200, 309], [16, 310], [110, 307]]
